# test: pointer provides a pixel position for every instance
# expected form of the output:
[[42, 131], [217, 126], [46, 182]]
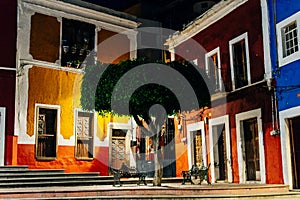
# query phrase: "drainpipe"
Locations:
[[271, 83], [275, 127]]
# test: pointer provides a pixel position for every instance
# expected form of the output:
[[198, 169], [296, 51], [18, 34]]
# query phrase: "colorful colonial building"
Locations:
[[235, 135], [53, 41], [233, 42], [285, 56]]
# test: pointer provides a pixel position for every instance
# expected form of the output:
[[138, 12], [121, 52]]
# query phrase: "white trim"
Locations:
[[21, 106], [47, 106], [59, 9], [172, 52], [2, 135], [207, 57], [133, 45], [241, 143], [212, 139], [50, 65], [190, 142], [115, 125], [231, 43], [285, 143], [8, 68], [295, 56], [62, 9], [266, 39], [95, 123], [217, 12]]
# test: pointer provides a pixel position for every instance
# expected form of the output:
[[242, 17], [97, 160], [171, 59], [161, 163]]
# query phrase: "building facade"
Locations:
[[235, 135], [284, 25], [55, 41], [8, 19]]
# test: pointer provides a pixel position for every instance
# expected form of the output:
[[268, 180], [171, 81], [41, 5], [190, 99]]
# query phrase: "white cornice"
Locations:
[[50, 66], [7, 68], [214, 14], [59, 8]]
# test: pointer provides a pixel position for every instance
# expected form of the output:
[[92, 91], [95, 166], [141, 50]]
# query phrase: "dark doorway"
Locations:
[[169, 160], [251, 149], [294, 127], [220, 153]]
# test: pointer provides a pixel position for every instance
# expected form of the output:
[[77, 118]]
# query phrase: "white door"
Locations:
[[2, 135]]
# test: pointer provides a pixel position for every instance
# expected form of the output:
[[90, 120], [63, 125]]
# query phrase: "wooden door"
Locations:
[[251, 149], [198, 155], [118, 148], [294, 127]]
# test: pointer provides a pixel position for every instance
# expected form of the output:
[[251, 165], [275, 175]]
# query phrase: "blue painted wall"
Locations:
[[288, 76]]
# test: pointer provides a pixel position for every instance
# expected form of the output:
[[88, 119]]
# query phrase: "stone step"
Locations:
[[81, 181], [21, 176], [29, 174], [49, 179], [23, 171], [166, 191], [13, 168]]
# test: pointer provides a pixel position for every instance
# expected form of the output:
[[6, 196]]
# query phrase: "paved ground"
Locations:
[[164, 192]]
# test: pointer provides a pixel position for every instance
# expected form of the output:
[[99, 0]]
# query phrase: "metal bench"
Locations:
[[195, 175], [125, 172]]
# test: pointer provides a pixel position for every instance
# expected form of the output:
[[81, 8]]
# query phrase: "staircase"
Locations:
[[21, 176], [19, 182]]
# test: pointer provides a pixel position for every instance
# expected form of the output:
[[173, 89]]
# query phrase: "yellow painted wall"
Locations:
[[57, 87]]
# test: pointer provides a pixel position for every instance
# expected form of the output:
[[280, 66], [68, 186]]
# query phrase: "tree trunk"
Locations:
[[158, 167], [153, 129]]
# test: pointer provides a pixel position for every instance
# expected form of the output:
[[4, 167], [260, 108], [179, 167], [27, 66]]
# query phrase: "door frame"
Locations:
[[2, 135], [241, 144], [285, 143], [191, 128], [214, 122], [123, 126]]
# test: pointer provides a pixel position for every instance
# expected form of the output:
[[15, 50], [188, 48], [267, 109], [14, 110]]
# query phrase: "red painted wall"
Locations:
[[7, 100], [8, 24], [247, 18], [250, 99]]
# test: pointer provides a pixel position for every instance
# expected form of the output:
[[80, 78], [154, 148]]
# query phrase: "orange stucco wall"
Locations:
[[65, 160], [273, 157], [112, 47]]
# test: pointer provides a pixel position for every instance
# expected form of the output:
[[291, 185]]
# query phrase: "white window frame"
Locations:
[[191, 128], [241, 144], [207, 57], [47, 106], [292, 57], [94, 129], [231, 43], [212, 141]]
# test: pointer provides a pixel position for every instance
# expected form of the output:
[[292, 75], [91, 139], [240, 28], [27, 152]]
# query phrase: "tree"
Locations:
[[148, 91]]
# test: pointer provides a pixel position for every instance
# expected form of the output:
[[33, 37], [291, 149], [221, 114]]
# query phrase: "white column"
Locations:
[[132, 36]]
